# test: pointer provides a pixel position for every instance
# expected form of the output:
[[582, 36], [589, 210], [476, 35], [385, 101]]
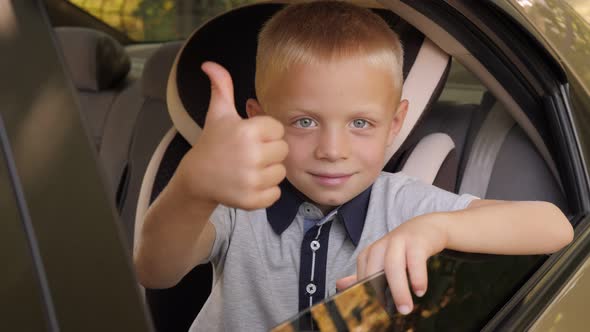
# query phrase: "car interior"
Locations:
[[144, 105]]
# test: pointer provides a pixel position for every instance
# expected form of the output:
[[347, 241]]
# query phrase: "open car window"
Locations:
[[462, 86], [156, 20]]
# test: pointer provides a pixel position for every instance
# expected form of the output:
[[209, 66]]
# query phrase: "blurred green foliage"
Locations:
[[156, 20]]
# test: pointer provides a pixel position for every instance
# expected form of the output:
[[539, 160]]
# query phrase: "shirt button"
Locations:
[[315, 245], [310, 288]]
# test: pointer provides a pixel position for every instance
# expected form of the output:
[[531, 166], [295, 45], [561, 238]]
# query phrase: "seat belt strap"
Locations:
[[484, 152]]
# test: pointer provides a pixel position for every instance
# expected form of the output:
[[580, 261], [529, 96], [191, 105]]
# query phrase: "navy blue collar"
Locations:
[[282, 213]]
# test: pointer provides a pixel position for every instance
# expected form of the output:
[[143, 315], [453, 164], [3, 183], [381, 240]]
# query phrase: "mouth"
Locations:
[[331, 179]]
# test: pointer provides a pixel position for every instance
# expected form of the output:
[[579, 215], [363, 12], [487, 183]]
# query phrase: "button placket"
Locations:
[[313, 262]]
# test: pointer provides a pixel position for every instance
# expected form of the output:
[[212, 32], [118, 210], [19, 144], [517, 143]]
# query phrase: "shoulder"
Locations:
[[399, 188], [225, 219], [392, 201], [391, 189], [387, 182], [398, 176], [407, 195], [231, 214]]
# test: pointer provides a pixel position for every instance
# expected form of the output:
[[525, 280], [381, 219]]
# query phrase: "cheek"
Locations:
[[371, 153], [297, 151]]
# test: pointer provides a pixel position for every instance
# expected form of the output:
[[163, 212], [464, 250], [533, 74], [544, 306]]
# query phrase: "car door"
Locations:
[[65, 263]]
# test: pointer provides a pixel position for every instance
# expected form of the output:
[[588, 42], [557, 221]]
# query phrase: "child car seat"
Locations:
[[230, 39]]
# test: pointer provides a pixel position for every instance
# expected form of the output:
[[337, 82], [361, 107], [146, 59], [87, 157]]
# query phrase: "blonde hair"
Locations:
[[324, 31]]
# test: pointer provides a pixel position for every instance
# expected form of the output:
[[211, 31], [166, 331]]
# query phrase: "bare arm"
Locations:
[[175, 236], [235, 162], [485, 226], [503, 227]]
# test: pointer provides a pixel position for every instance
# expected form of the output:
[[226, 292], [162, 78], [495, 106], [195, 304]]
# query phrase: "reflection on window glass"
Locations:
[[156, 20]]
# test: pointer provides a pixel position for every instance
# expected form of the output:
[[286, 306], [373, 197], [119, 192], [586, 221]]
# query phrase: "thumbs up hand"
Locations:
[[235, 162]]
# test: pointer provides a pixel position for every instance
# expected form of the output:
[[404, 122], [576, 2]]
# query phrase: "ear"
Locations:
[[253, 108], [398, 120]]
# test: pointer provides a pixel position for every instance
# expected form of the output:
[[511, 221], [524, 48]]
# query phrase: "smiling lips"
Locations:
[[330, 179]]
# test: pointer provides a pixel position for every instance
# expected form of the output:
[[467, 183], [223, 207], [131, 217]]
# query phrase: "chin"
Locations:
[[330, 202], [334, 196], [331, 199]]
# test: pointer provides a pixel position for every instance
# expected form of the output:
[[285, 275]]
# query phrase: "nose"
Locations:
[[332, 145]]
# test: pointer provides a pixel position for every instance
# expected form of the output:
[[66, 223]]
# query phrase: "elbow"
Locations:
[[567, 235], [149, 276], [563, 231], [143, 273]]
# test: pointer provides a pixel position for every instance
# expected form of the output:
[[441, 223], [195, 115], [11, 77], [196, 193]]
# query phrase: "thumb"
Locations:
[[344, 283], [222, 91]]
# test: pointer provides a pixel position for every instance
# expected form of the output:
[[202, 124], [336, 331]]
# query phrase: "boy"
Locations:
[[287, 203]]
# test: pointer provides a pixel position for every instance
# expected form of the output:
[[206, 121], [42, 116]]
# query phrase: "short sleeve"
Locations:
[[223, 219], [416, 198]]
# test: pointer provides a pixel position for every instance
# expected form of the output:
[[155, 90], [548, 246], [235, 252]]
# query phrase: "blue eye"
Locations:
[[360, 123], [305, 123]]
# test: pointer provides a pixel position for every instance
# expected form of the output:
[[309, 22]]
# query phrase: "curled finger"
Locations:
[[395, 271], [416, 262], [273, 175]]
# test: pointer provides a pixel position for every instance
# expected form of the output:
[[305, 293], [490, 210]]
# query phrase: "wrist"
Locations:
[[189, 182], [442, 222]]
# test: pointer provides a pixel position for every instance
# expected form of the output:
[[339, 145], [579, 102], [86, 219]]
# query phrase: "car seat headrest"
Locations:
[[95, 60], [231, 40], [154, 77]]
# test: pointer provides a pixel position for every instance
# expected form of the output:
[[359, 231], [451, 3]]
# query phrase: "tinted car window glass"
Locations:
[[466, 290]]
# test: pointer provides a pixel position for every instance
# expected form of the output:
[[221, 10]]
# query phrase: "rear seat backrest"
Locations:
[[152, 123], [98, 66], [188, 98], [133, 129], [118, 132]]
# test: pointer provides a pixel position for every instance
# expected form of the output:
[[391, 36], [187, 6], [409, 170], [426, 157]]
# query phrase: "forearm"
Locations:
[[507, 228], [173, 237]]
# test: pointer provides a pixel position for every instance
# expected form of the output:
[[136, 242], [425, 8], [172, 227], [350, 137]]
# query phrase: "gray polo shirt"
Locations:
[[270, 263]]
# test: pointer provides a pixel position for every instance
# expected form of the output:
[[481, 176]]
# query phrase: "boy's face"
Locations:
[[339, 118]]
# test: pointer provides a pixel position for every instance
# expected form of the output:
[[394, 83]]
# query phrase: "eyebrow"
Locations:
[[368, 112], [367, 109], [304, 110]]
